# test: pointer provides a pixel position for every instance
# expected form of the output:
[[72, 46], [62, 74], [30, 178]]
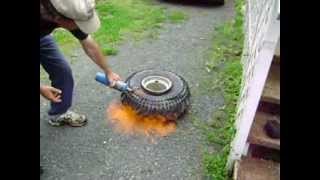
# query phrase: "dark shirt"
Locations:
[[46, 27]]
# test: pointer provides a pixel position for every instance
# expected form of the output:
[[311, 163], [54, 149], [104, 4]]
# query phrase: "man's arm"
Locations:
[[94, 51]]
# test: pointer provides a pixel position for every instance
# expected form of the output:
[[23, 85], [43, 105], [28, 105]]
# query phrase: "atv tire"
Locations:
[[171, 104]]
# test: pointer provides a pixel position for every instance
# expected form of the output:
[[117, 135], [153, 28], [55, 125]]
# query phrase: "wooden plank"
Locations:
[[271, 92], [257, 169], [257, 134]]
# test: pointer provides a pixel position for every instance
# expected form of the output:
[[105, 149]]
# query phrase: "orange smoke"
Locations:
[[125, 120]]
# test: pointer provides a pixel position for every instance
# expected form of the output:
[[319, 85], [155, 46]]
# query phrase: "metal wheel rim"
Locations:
[[159, 80]]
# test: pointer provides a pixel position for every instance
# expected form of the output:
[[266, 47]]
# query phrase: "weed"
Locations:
[[227, 51]]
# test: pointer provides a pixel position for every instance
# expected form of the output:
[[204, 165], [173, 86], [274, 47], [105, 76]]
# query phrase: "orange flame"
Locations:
[[126, 120]]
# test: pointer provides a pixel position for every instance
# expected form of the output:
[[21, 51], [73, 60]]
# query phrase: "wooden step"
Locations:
[[256, 169], [257, 134], [276, 59], [271, 92], [261, 152], [270, 108]]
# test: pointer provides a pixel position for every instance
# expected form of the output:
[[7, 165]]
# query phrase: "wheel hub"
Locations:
[[156, 84]]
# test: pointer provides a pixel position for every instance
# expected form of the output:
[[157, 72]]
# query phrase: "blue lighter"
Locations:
[[119, 85]]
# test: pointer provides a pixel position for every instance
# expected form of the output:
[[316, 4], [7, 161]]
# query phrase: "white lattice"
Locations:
[[262, 31], [258, 17]]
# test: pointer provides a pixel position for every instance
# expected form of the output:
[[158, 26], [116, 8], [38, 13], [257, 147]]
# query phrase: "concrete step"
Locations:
[[256, 169], [271, 92], [257, 134]]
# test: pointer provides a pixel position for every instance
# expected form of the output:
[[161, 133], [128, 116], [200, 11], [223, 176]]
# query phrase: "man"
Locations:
[[78, 17]]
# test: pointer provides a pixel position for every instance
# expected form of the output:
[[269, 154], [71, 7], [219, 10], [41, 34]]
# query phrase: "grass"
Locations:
[[177, 17], [225, 58], [120, 20], [43, 76]]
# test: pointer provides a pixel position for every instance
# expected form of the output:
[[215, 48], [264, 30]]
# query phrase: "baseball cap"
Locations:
[[81, 11]]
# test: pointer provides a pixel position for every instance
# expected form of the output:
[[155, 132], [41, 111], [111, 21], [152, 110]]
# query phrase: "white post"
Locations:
[[255, 88]]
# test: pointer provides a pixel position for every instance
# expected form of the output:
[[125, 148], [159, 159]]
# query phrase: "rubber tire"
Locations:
[[172, 104]]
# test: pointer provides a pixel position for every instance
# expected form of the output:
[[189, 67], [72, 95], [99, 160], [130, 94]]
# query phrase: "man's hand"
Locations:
[[113, 77], [51, 93]]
